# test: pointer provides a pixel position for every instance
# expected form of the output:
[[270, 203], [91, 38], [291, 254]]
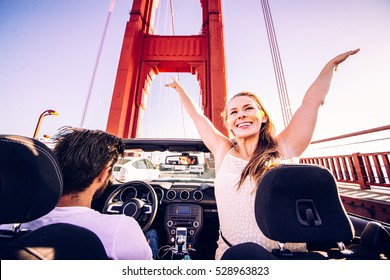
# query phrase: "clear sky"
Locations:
[[48, 51]]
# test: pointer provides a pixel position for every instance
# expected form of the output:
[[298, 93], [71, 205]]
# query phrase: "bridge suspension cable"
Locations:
[[172, 17], [110, 9], [277, 63], [178, 78]]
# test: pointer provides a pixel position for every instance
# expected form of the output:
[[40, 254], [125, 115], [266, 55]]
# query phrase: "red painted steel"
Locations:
[[145, 55], [363, 171], [371, 169]]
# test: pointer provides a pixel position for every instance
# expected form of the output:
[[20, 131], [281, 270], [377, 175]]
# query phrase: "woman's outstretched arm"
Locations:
[[215, 141], [295, 138]]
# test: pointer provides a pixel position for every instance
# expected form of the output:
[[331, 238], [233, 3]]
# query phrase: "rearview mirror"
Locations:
[[181, 160]]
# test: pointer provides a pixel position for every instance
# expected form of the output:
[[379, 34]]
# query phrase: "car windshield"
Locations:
[[164, 166]]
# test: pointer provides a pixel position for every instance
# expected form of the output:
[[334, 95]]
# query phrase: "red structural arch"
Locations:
[[145, 55]]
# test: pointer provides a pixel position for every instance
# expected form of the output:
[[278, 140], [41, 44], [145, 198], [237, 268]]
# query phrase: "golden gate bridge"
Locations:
[[363, 178]]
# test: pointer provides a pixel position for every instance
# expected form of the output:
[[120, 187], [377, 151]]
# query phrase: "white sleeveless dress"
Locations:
[[236, 209]]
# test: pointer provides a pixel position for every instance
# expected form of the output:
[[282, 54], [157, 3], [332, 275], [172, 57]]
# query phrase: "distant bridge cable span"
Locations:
[[367, 131], [354, 134], [352, 143], [277, 63], [110, 9]]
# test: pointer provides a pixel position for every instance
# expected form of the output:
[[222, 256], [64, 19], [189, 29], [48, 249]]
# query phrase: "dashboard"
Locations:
[[180, 205]]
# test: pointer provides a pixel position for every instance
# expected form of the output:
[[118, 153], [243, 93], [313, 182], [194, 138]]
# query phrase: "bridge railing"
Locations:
[[364, 169]]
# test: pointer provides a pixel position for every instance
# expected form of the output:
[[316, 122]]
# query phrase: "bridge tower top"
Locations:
[[145, 55]]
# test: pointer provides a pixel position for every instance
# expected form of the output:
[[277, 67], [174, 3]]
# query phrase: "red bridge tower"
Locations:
[[145, 55]]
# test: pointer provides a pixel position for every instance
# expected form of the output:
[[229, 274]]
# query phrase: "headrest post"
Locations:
[[341, 246], [281, 246], [16, 227], [282, 252]]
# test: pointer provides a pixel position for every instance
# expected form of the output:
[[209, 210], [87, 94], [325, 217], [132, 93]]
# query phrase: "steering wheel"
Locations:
[[141, 210]]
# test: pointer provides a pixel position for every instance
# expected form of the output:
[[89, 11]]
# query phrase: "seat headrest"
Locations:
[[300, 203], [30, 179]]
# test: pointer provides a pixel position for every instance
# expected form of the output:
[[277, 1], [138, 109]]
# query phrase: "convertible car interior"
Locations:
[[294, 203], [30, 187]]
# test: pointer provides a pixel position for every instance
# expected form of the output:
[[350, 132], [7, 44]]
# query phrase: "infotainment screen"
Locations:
[[183, 210]]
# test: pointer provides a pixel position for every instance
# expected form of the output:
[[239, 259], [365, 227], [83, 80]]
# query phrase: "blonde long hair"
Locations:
[[266, 155]]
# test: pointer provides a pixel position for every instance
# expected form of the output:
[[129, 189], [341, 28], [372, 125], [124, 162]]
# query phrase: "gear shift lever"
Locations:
[[181, 240]]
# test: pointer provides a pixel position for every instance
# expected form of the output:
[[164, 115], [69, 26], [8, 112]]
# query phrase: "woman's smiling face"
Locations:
[[244, 116]]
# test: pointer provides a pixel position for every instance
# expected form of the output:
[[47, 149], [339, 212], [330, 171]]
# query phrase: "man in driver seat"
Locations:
[[86, 158]]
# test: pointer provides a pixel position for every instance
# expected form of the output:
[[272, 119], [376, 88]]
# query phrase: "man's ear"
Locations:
[[104, 173]]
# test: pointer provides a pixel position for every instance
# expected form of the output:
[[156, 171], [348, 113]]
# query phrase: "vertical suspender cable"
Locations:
[[277, 63], [172, 17], [110, 9], [173, 33]]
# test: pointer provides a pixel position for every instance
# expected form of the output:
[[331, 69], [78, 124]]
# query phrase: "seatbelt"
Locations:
[[225, 240]]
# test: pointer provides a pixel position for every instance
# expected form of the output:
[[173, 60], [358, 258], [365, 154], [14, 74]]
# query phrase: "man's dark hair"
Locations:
[[83, 154]]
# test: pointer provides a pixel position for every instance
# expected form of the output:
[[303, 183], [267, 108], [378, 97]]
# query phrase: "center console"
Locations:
[[183, 222]]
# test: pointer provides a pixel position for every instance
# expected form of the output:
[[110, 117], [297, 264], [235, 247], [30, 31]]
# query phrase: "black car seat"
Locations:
[[374, 243], [301, 203], [30, 187]]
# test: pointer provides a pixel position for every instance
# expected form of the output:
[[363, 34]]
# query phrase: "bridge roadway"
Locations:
[[373, 203]]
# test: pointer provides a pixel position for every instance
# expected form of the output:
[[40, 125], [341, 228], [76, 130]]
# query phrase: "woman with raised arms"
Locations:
[[240, 164]]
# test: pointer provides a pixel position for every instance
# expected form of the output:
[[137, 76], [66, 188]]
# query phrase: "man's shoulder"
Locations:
[[82, 210], [91, 218], [73, 209]]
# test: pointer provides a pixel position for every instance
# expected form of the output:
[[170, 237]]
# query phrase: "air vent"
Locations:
[[198, 195], [171, 195], [184, 195]]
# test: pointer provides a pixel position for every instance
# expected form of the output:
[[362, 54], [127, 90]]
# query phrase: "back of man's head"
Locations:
[[83, 154]]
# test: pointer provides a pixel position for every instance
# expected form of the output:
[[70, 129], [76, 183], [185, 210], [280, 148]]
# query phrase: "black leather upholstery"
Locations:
[[55, 242], [247, 251], [30, 179], [30, 187], [300, 203], [374, 243]]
